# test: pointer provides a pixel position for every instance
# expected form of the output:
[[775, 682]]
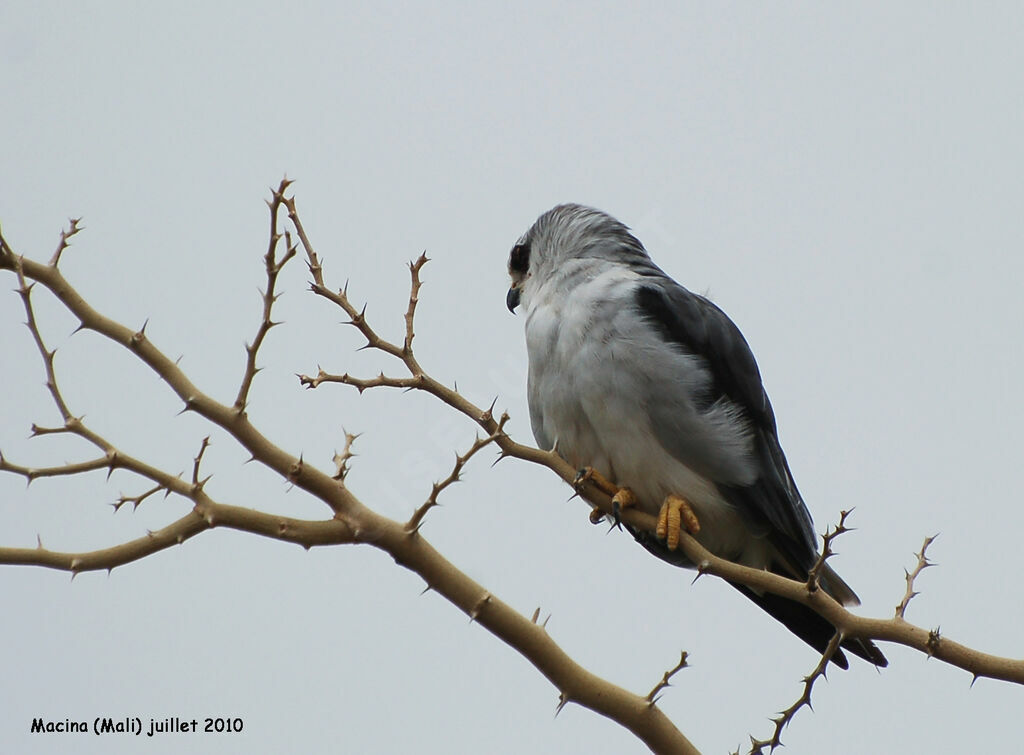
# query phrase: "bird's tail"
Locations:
[[812, 628]]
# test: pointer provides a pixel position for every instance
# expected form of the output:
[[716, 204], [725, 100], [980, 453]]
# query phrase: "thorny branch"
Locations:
[[454, 476], [136, 500], [353, 522], [273, 268], [341, 460], [65, 236], [911, 576], [783, 719], [666, 679], [814, 575]]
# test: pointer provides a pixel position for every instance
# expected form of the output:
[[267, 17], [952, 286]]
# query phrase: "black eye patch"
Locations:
[[519, 259]]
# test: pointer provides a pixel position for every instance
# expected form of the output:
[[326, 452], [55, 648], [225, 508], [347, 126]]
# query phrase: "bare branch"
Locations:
[[136, 500], [785, 717], [108, 558], [666, 679], [73, 228], [361, 384], [206, 515], [25, 290], [414, 298], [352, 521], [341, 460], [64, 470], [273, 268], [975, 662], [198, 462], [922, 564], [814, 575], [416, 520], [357, 316]]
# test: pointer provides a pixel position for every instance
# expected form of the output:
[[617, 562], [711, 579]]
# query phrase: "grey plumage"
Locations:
[[655, 388]]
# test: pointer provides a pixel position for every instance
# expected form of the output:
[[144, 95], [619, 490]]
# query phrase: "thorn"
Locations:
[[563, 698], [475, 611]]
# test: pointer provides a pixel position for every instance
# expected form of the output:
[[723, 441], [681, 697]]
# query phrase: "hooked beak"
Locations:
[[512, 299]]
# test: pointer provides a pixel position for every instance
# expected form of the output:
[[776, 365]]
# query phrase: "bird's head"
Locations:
[[561, 236]]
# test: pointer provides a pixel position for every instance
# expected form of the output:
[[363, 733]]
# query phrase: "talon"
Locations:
[[622, 499], [589, 474], [675, 515], [582, 476]]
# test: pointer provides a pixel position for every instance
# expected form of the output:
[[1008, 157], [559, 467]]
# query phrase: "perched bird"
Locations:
[[653, 391]]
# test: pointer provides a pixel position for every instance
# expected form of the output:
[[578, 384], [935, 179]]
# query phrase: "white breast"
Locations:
[[592, 360]]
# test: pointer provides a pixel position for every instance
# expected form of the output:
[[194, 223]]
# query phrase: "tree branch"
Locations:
[[352, 522], [785, 717], [273, 268], [922, 564], [416, 520]]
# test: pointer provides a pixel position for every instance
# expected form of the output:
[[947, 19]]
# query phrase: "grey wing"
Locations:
[[540, 434], [769, 501]]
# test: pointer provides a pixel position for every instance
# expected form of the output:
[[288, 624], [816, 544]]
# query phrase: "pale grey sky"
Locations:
[[845, 182]]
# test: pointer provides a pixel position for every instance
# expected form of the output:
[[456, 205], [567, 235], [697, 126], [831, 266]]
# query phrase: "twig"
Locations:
[[34, 473], [414, 298], [922, 564], [196, 482], [416, 520], [342, 459], [25, 291], [814, 575], [136, 500], [306, 533], [273, 268], [785, 717], [653, 696], [73, 228]]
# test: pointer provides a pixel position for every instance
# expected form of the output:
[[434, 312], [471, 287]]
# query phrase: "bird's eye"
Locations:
[[519, 259]]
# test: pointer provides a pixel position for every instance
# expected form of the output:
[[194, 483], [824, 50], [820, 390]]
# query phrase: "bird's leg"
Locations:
[[675, 515], [622, 498]]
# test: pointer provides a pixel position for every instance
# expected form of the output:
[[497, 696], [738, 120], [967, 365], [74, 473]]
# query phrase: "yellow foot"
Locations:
[[676, 515], [622, 498]]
